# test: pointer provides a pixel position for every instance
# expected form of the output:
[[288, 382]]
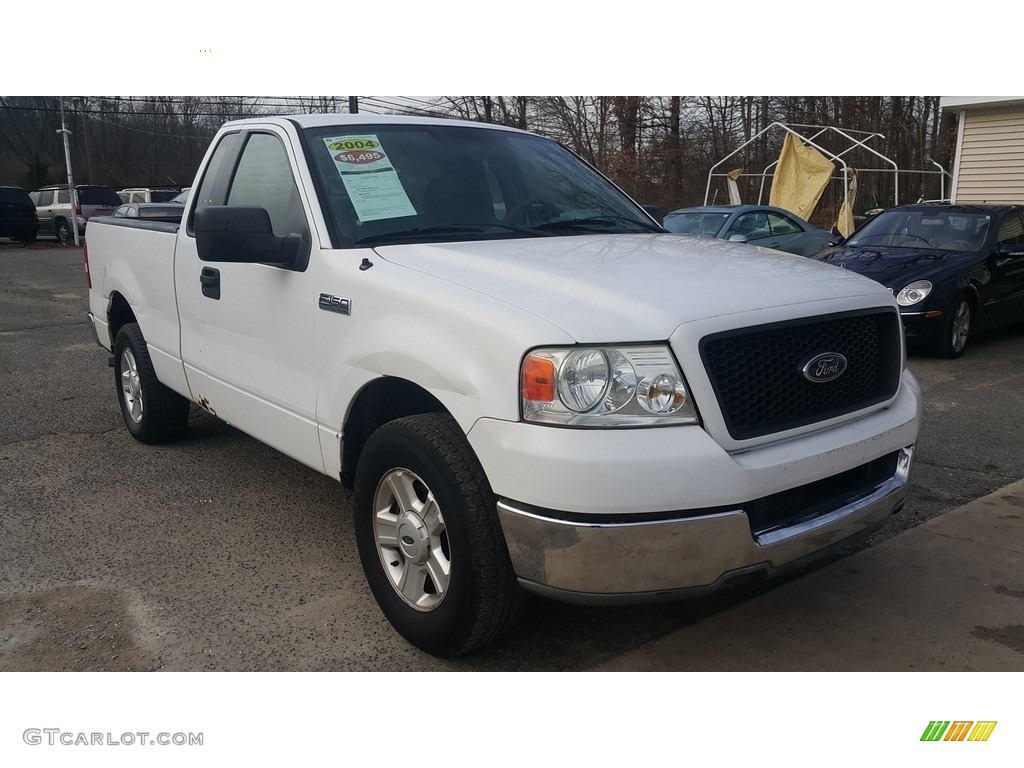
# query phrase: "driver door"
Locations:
[[255, 363]]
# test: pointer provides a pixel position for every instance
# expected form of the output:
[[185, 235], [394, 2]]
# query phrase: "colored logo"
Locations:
[[822, 368], [958, 730]]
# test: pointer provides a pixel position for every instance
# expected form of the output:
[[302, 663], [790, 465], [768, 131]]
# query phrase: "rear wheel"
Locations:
[[62, 230], [152, 412], [429, 538], [27, 237], [956, 328]]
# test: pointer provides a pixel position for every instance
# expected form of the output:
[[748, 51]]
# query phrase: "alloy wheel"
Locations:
[[412, 540], [961, 326], [131, 385]]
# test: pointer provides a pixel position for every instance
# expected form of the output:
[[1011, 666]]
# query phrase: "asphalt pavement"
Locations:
[[947, 595], [218, 553]]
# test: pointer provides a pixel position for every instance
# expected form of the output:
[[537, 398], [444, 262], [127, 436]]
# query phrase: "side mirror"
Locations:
[[654, 211], [738, 239], [242, 234]]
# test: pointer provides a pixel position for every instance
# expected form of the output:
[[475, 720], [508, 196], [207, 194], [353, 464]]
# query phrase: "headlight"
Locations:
[[605, 387], [913, 293], [583, 379]]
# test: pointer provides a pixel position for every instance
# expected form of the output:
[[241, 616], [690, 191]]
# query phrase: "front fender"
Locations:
[[461, 346]]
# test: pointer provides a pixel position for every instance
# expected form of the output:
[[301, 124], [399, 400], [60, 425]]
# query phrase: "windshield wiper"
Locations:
[[585, 222], [446, 229]]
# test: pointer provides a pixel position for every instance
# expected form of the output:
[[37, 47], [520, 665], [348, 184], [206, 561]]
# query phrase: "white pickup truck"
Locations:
[[529, 384]]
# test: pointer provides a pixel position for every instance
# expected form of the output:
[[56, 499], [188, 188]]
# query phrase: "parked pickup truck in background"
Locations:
[[530, 386]]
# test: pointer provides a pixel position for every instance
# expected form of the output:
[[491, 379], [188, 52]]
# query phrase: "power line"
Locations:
[[231, 108], [151, 133], [400, 107]]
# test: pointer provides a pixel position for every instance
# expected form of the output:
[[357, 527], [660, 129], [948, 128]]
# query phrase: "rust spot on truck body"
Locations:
[[203, 403]]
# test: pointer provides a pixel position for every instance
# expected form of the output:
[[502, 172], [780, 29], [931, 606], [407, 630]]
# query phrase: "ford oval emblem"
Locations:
[[824, 367]]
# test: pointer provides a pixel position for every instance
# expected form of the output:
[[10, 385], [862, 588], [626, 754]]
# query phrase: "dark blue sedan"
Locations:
[[954, 269], [761, 225]]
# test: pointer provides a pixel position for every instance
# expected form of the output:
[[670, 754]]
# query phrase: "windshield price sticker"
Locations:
[[371, 181]]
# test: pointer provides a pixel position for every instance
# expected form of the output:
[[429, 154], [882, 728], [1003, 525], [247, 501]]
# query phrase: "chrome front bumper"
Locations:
[[593, 562]]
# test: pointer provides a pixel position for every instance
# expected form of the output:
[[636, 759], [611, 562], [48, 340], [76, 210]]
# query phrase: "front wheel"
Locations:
[[429, 538], [152, 412], [956, 328]]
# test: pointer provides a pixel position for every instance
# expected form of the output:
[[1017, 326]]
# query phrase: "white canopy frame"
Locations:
[[810, 135]]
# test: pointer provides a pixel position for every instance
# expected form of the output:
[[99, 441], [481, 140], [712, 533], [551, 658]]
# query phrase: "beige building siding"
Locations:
[[991, 156]]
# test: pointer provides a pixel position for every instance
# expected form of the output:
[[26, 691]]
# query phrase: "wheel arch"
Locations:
[[974, 297], [971, 288], [119, 313], [381, 400]]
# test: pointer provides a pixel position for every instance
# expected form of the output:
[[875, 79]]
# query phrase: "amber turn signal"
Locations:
[[538, 379]]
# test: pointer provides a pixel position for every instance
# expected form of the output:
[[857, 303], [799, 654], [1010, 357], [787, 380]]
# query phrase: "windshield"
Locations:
[[694, 223], [427, 183], [941, 229]]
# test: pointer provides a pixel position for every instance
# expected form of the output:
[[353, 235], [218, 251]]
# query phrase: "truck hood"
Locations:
[[633, 287]]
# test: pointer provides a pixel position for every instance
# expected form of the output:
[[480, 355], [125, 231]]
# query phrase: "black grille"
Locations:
[[757, 373]]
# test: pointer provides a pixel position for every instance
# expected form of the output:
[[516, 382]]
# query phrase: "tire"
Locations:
[[62, 230], [956, 328], [28, 237], [425, 520], [152, 412]]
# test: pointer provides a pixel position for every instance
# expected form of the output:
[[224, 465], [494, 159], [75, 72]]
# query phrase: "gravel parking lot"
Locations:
[[218, 553]]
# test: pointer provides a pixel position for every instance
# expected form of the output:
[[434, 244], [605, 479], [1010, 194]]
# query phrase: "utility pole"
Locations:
[[353, 105], [71, 182]]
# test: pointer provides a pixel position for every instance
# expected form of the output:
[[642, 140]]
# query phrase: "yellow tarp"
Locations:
[[845, 223], [800, 177], [732, 177]]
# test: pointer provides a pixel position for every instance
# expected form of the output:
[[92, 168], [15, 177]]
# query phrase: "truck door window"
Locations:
[[213, 188], [264, 178]]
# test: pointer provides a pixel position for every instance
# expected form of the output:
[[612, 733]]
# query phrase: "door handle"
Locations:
[[210, 279]]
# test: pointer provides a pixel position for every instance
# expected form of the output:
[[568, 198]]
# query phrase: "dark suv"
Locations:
[[55, 214], [18, 219]]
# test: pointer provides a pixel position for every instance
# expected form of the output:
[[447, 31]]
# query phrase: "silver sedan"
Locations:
[[761, 225]]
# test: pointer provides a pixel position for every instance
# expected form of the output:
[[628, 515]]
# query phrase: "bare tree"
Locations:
[[659, 149]]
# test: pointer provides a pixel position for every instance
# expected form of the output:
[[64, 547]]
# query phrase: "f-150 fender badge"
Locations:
[[335, 304], [826, 367]]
